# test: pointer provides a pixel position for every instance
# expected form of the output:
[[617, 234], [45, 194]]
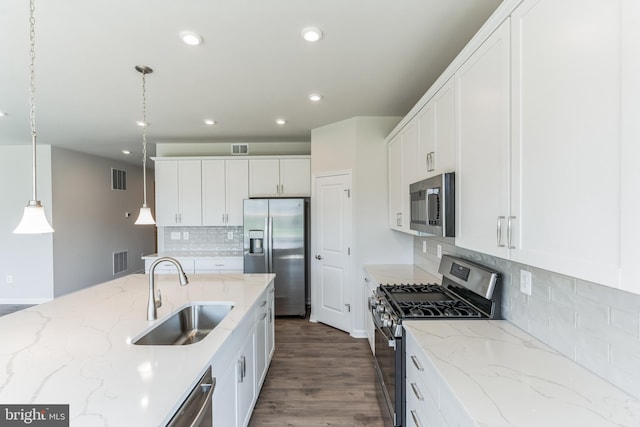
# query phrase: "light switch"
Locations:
[[230, 235]]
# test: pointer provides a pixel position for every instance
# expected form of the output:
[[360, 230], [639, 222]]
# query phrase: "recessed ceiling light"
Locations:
[[126, 152], [191, 38], [315, 97], [312, 34], [141, 123], [209, 122], [281, 121]]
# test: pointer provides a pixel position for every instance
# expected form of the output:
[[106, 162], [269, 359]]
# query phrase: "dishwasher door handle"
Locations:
[[196, 409], [202, 412]]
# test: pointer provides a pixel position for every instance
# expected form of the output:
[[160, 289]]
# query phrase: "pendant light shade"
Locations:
[[144, 217], [34, 220]]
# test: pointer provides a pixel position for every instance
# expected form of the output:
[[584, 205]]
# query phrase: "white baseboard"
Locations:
[[359, 333], [24, 301]]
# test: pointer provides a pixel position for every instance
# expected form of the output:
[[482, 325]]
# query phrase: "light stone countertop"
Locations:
[[502, 376], [77, 348], [399, 273]]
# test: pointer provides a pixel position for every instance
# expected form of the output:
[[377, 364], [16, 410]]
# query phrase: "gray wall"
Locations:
[[28, 259], [90, 223], [594, 325]]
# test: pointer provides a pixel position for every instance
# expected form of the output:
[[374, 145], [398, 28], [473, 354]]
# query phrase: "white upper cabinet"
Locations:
[[482, 174], [178, 193], [284, 177], [403, 171], [566, 71], [225, 184], [436, 130]]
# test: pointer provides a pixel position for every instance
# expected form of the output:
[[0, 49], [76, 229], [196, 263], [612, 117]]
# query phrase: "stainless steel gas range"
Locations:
[[468, 291]]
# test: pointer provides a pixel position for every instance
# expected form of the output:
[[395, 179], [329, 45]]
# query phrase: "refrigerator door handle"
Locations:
[[270, 240], [267, 245]]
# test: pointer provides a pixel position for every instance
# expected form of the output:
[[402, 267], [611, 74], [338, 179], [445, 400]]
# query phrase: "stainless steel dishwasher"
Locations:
[[197, 410]]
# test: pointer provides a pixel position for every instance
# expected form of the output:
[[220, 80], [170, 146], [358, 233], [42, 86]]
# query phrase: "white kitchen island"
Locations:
[[77, 349]]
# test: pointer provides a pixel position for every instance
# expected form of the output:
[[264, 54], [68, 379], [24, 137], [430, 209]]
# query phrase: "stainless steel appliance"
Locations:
[[468, 291], [433, 205], [197, 410], [275, 241]]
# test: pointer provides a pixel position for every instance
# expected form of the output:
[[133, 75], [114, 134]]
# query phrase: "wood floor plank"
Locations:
[[319, 377]]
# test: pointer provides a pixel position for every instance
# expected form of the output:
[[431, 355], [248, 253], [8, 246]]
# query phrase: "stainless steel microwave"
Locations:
[[433, 205]]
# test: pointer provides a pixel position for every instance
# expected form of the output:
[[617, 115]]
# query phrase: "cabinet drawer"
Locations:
[[218, 263], [168, 268]]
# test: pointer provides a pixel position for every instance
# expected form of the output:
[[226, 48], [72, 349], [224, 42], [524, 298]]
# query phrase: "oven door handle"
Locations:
[[390, 339]]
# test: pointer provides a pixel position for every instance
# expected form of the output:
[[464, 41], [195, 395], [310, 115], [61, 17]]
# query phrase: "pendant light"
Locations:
[[34, 220], [145, 217]]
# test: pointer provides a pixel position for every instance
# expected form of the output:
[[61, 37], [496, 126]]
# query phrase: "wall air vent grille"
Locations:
[[120, 262], [118, 179], [239, 149]]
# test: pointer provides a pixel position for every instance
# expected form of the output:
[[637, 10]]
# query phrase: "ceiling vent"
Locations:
[[239, 149], [118, 179]]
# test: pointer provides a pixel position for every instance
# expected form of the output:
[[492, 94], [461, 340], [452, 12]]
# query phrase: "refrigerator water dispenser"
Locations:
[[256, 238]]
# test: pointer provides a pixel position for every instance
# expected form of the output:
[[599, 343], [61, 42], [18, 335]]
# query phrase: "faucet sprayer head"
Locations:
[[184, 280]]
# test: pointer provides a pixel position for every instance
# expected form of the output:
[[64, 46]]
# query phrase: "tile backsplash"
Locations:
[[596, 326], [217, 240]]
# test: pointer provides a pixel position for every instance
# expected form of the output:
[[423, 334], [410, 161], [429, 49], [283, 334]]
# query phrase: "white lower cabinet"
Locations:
[[240, 365], [424, 400], [369, 291]]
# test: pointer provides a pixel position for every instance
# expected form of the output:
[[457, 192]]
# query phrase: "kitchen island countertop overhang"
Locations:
[[78, 349]]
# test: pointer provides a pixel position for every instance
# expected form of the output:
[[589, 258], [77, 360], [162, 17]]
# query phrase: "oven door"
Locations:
[[388, 365]]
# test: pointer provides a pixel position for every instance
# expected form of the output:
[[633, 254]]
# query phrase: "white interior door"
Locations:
[[331, 303]]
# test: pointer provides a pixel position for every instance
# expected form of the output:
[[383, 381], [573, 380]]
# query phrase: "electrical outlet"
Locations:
[[9, 278], [230, 235], [175, 235], [439, 251], [185, 235], [525, 282], [424, 246]]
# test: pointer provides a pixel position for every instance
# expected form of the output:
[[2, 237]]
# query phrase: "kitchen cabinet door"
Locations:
[[271, 332], [396, 210], [246, 381], [295, 177], [264, 177], [225, 184], [482, 172], [178, 193], [262, 324], [237, 189], [214, 190], [566, 137], [403, 171], [436, 142]]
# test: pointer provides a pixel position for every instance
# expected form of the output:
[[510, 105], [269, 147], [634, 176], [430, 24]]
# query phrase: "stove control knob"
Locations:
[[380, 308], [386, 320]]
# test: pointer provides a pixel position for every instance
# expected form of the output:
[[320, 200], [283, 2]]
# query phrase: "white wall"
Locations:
[[90, 220], [28, 259], [358, 145]]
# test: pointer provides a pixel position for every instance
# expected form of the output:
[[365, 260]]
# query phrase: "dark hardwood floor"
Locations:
[[319, 376]]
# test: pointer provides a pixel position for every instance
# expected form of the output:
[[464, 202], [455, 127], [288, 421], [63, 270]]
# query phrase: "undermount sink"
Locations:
[[187, 326]]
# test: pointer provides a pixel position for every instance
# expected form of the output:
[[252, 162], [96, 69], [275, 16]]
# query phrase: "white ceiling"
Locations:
[[377, 58]]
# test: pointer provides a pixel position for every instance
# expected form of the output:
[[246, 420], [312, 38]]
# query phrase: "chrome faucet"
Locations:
[[154, 303]]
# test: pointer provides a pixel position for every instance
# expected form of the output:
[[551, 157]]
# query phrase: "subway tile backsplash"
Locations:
[[210, 240], [596, 326]]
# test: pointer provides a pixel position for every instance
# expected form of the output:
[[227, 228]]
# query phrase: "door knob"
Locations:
[[318, 257]]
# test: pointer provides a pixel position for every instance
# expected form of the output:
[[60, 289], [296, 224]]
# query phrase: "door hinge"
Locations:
[[348, 191], [348, 307]]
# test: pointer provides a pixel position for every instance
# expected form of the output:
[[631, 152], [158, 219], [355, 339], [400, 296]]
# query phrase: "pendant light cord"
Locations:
[[32, 92], [144, 139]]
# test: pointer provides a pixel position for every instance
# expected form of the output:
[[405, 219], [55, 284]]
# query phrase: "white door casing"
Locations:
[[330, 277]]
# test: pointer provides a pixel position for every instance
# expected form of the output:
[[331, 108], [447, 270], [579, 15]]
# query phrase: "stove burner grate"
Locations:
[[415, 288], [421, 309]]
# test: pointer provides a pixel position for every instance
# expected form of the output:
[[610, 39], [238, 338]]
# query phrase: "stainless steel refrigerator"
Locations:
[[275, 241]]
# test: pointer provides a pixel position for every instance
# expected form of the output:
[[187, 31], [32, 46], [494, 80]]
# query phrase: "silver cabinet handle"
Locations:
[[399, 219], [510, 231], [416, 420], [264, 316], [416, 363], [499, 232], [263, 303], [223, 218], [416, 391]]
